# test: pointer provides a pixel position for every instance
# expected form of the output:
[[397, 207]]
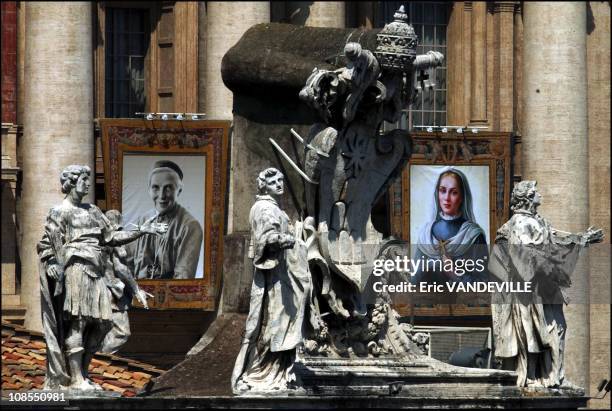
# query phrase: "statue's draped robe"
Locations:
[[72, 239], [280, 292], [529, 329], [123, 286], [177, 252]]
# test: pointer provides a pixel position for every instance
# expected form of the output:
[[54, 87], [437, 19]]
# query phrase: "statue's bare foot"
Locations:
[[81, 385]]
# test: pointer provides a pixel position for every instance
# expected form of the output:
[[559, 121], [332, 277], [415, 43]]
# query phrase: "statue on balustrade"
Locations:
[[529, 329], [77, 303], [341, 340], [281, 294], [308, 297]]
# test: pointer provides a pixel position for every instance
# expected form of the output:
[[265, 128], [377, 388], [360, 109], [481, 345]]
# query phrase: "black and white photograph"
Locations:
[[166, 189]]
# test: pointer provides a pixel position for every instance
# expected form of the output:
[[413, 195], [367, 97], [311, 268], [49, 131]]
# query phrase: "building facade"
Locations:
[[538, 70]]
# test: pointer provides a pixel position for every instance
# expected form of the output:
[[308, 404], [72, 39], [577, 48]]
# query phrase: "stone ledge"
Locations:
[[310, 402]]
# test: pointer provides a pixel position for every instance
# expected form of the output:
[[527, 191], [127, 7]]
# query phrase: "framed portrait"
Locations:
[[171, 172], [463, 179]]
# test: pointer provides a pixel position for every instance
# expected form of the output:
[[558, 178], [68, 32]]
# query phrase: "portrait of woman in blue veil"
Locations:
[[452, 233]]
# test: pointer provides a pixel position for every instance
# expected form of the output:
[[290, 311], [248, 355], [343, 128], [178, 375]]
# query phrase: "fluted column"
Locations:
[[226, 23], [555, 139], [478, 63], [317, 13], [598, 74], [202, 57], [58, 122]]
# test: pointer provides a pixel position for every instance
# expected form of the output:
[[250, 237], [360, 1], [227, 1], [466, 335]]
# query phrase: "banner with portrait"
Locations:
[[456, 189], [171, 172]]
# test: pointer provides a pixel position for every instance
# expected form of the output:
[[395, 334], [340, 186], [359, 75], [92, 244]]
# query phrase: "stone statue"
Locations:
[[76, 301], [313, 323], [280, 294], [122, 283], [529, 331], [353, 165]]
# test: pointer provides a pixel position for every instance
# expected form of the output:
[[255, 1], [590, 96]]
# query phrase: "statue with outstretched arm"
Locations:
[[76, 302]]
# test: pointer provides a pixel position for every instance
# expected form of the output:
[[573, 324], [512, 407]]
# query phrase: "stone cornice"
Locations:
[[11, 127]]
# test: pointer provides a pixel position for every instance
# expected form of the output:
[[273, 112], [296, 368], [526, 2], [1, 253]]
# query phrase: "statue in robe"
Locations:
[[529, 329], [280, 295], [76, 302]]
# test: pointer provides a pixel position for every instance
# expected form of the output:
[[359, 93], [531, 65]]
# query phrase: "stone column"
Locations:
[[58, 122], [598, 75], [504, 95], [226, 23], [555, 139], [478, 63], [518, 76], [317, 13], [202, 57]]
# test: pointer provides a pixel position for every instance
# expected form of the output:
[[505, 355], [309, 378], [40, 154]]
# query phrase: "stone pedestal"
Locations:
[[330, 403], [399, 376]]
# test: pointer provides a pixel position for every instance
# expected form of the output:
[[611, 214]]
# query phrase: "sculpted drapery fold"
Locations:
[[67, 238], [280, 294], [529, 329], [76, 299]]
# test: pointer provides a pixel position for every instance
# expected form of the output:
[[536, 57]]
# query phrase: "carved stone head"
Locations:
[[73, 177], [525, 196], [352, 51], [271, 182]]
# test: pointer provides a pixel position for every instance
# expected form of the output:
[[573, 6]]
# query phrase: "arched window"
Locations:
[[429, 20]]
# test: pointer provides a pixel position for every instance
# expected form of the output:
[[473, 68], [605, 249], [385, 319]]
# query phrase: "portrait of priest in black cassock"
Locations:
[[174, 255]]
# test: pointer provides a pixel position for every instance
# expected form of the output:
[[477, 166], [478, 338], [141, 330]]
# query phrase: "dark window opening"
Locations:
[[127, 41], [429, 20]]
